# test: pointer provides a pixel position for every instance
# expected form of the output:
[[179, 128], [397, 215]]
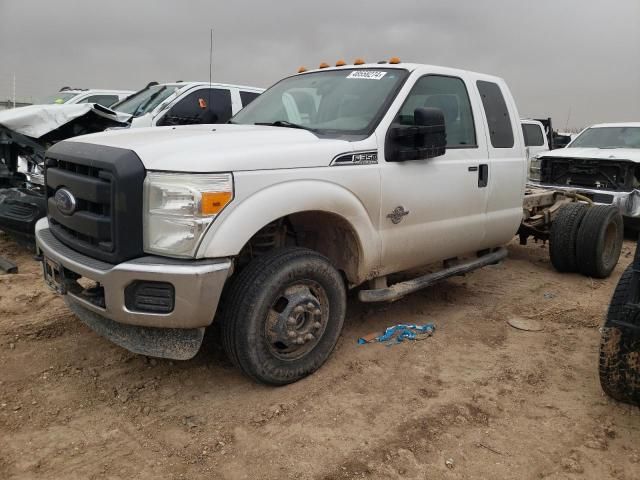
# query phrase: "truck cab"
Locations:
[[333, 178], [186, 103]]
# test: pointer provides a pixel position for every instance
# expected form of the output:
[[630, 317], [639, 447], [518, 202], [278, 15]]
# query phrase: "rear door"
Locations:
[[507, 160], [435, 208]]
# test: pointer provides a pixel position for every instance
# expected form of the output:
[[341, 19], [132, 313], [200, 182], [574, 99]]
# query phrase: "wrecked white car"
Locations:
[[25, 135], [601, 163], [27, 132]]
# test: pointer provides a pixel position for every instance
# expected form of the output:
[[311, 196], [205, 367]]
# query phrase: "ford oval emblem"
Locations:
[[65, 201]]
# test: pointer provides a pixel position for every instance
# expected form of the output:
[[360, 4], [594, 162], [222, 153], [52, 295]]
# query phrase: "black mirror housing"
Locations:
[[427, 138]]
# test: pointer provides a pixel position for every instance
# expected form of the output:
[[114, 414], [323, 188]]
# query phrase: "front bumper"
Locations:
[[627, 202], [197, 284]]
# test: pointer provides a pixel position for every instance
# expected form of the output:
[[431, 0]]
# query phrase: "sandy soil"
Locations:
[[479, 399]]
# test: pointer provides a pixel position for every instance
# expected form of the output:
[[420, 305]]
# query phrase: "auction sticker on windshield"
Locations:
[[367, 74]]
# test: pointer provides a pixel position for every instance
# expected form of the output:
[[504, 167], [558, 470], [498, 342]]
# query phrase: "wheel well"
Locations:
[[326, 233]]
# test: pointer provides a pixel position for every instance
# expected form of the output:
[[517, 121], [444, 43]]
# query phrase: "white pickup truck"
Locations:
[[331, 179]]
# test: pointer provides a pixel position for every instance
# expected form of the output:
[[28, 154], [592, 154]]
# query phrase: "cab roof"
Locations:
[[620, 124], [411, 67], [213, 84]]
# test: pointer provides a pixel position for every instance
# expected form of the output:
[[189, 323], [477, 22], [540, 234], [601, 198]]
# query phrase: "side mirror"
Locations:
[[427, 138]]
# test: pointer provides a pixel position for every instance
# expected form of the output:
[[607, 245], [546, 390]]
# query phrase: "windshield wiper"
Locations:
[[285, 123]]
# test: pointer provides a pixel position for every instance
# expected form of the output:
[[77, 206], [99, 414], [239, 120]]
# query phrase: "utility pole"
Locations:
[[14, 89]]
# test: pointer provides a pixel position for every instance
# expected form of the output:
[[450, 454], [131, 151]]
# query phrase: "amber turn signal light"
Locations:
[[212, 203]]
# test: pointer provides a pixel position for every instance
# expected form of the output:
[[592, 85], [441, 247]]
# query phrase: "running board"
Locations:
[[399, 290]]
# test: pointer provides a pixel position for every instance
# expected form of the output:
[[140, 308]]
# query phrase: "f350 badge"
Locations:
[[398, 214]]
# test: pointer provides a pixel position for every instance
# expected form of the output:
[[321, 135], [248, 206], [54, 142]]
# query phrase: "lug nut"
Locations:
[[291, 334], [299, 340], [317, 312], [310, 306], [298, 310], [309, 337], [317, 325], [291, 321]]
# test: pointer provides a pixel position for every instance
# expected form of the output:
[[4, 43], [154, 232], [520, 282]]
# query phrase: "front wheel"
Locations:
[[283, 315], [620, 344]]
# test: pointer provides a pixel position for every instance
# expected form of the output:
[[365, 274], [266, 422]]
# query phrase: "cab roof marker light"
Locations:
[[359, 61], [340, 63], [394, 60], [302, 69], [323, 65]]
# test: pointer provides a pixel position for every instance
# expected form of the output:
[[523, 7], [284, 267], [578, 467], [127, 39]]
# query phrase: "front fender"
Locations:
[[229, 234]]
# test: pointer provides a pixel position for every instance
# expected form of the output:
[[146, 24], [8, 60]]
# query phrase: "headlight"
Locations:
[[178, 208], [534, 169]]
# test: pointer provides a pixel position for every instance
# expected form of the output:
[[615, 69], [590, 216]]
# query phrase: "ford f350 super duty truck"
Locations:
[[332, 179]]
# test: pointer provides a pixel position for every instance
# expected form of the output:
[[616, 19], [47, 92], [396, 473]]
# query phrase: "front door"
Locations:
[[435, 209]]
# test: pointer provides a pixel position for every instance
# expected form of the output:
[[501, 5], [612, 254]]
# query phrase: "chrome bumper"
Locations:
[[627, 202], [198, 283]]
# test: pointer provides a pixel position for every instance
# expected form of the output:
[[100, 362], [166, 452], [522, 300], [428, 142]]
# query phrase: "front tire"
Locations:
[[620, 346], [283, 315]]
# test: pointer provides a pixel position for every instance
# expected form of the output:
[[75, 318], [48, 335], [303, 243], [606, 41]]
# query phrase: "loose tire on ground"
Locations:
[[564, 233], [599, 241], [620, 347], [283, 314]]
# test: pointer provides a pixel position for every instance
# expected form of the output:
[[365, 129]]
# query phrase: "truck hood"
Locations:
[[36, 121], [217, 148], [629, 154]]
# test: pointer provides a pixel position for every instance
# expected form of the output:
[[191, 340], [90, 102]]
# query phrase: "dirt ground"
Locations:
[[479, 399]]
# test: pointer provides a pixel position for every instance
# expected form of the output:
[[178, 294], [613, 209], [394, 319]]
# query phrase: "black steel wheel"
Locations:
[[283, 315]]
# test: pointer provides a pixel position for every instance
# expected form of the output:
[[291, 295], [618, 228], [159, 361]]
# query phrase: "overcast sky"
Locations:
[[574, 60]]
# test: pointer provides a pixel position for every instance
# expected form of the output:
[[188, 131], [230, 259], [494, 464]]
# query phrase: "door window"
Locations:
[[500, 130], [248, 97], [207, 105], [448, 94], [533, 136], [104, 100]]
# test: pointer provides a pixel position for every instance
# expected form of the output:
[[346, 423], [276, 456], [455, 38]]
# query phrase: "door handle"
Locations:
[[473, 168], [483, 175]]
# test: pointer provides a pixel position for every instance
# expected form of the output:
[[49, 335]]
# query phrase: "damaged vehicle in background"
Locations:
[[27, 132], [601, 163], [70, 96]]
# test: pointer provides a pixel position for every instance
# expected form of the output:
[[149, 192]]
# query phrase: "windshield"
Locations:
[[608, 137], [345, 101], [58, 98], [144, 100]]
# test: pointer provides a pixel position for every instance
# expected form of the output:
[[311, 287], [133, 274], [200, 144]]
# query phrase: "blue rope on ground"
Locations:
[[402, 332]]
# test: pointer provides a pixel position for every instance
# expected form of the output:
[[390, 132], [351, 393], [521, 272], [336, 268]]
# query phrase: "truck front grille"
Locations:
[[106, 186], [600, 174]]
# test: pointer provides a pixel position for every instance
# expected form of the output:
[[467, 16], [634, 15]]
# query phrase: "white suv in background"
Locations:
[[68, 96]]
